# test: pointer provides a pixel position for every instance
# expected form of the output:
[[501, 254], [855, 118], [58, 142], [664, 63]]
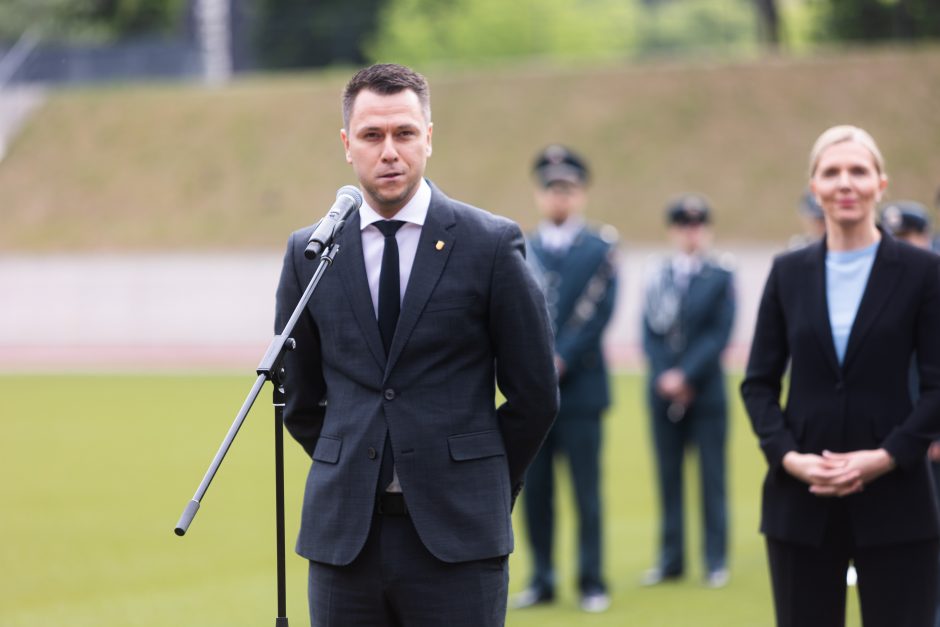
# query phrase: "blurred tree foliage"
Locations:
[[88, 20], [769, 21], [416, 31], [873, 20], [311, 33], [688, 25]]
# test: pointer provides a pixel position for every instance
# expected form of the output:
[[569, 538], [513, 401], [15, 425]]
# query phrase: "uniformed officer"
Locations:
[[576, 268], [909, 221], [689, 310]]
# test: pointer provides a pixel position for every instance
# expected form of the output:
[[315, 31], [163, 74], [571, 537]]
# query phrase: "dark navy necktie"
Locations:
[[389, 308], [389, 282]]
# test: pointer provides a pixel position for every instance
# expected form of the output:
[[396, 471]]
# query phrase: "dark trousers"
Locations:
[[897, 584], [706, 428], [935, 470], [579, 440], [396, 582]]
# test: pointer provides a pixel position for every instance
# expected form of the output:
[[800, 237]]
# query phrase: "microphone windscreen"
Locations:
[[353, 192]]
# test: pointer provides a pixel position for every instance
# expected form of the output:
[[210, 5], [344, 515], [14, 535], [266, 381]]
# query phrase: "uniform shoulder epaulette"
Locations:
[[609, 234], [726, 261]]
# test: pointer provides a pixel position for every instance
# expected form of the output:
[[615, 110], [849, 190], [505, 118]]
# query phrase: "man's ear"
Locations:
[[430, 132], [345, 138]]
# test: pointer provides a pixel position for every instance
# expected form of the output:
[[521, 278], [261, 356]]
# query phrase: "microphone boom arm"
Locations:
[[268, 370]]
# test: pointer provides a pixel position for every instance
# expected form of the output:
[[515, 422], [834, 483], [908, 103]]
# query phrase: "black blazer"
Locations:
[[863, 404]]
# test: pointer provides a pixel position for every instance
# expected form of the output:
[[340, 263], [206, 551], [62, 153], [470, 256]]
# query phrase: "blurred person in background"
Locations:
[[814, 224], [688, 314], [847, 478], [909, 221], [576, 267]]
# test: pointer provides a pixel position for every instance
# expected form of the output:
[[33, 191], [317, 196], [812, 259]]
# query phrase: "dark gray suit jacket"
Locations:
[[472, 317]]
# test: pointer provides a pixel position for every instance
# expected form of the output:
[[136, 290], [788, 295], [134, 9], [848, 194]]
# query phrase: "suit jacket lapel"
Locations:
[[352, 266], [434, 248], [816, 276], [882, 282]]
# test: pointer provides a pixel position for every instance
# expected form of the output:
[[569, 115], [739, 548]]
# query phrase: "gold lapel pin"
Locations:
[[439, 245]]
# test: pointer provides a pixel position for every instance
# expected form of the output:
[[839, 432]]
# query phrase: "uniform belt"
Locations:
[[391, 504]]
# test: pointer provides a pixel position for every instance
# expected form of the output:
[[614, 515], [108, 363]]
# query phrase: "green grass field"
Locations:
[[96, 470]]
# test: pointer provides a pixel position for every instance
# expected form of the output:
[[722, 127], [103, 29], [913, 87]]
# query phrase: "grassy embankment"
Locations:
[[181, 167]]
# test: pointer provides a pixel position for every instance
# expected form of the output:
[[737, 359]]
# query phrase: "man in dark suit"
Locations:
[[687, 321], [391, 390], [578, 273]]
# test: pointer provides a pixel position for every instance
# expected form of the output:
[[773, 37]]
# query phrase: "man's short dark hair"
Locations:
[[386, 79]]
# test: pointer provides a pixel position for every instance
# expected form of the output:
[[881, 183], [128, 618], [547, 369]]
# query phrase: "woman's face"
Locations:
[[847, 184]]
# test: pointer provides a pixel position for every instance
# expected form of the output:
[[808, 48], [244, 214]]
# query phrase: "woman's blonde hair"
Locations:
[[845, 133]]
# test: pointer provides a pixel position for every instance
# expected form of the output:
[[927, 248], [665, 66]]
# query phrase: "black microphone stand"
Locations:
[[269, 369]]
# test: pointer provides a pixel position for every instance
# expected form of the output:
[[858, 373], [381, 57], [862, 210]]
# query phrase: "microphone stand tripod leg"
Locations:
[[281, 620]]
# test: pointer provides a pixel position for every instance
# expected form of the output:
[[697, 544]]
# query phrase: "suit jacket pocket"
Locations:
[[327, 449], [443, 304], [476, 445]]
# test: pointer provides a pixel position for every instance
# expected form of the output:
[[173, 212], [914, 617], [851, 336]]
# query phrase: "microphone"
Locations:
[[348, 199]]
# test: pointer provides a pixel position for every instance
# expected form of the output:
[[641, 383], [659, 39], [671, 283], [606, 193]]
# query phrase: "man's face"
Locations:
[[560, 200], [388, 143], [690, 239]]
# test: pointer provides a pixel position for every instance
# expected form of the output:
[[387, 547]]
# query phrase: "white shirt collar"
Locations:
[[560, 237], [415, 212], [687, 264]]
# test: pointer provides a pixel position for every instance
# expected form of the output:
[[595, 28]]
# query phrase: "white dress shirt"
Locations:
[[558, 238], [373, 242], [413, 215], [684, 267]]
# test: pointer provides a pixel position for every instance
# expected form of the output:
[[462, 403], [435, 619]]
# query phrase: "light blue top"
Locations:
[[846, 277]]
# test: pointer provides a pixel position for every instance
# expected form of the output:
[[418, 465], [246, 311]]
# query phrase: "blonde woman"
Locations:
[[848, 480]]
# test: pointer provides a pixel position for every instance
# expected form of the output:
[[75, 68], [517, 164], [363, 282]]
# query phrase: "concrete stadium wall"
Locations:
[[215, 311]]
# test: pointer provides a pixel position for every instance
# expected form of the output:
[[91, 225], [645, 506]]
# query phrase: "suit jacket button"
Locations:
[[390, 394], [372, 453], [840, 386]]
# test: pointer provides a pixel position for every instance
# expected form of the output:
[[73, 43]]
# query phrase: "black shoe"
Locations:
[[531, 597]]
